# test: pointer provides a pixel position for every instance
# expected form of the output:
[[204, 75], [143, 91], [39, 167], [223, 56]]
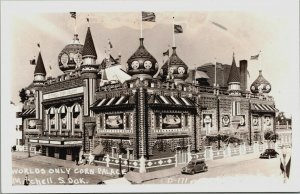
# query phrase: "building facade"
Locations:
[[142, 110]]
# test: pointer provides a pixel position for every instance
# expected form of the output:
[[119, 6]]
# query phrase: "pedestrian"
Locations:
[[26, 181]]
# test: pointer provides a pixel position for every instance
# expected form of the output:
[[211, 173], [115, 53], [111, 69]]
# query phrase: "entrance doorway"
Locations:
[[62, 153]]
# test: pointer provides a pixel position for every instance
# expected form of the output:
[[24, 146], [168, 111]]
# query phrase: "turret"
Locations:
[[234, 83]]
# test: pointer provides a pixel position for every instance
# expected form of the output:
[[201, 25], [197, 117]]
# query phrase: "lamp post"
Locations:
[[28, 148], [128, 165], [120, 166]]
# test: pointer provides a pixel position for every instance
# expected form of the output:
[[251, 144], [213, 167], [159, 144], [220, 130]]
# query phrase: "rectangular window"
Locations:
[[101, 121], [236, 108], [127, 121], [186, 120], [157, 120]]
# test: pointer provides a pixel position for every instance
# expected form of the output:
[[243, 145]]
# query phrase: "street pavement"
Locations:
[[240, 166]]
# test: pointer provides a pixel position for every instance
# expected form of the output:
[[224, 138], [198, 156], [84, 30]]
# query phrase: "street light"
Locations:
[[120, 167]]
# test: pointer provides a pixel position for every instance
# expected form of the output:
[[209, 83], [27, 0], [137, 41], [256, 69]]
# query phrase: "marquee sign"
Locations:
[[63, 93], [72, 142]]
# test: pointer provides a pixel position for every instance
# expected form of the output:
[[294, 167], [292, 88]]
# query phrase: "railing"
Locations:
[[207, 154], [283, 127]]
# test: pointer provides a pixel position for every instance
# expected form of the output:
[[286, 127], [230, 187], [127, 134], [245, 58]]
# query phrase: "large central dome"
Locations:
[[141, 64], [71, 56]]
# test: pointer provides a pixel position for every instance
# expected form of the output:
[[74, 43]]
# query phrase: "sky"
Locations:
[[248, 31]]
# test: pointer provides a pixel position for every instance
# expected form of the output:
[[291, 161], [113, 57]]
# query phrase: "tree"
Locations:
[[270, 135], [22, 95]]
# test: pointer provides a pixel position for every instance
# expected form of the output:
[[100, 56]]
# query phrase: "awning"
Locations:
[[263, 108], [63, 110], [172, 100], [98, 150], [111, 101], [76, 108], [28, 112], [51, 111]]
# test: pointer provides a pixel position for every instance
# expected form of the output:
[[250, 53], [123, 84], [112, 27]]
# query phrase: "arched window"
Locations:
[[76, 120], [63, 119], [51, 118]]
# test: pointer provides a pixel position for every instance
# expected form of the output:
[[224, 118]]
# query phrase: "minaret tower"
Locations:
[[234, 81], [39, 81], [89, 72]]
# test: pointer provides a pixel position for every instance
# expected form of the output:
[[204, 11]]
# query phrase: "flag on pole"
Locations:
[[88, 20], [38, 44], [219, 25], [287, 168], [178, 29], [148, 16], [166, 53], [255, 57], [32, 62], [110, 44], [73, 15]]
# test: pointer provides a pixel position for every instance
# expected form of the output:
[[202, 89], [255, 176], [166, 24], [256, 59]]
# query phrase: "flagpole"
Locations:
[[75, 25], [173, 32], [215, 72], [142, 25]]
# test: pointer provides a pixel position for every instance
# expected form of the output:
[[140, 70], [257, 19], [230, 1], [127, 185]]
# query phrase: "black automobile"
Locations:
[[195, 166], [269, 153]]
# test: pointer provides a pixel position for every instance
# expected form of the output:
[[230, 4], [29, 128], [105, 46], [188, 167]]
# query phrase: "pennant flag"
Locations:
[[110, 44], [178, 29], [32, 62], [11, 102], [38, 44], [219, 25], [287, 168], [281, 166], [73, 15], [88, 20], [255, 57], [148, 16], [112, 60], [166, 53]]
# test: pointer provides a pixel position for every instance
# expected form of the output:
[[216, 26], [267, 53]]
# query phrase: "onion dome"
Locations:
[[234, 75], [141, 63], [260, 85], [71, 56], [40, 68], [176, 67]]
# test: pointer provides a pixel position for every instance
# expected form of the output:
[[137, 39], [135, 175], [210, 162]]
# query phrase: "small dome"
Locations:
[[260, 85], [141, 63], [71, 56], [177, 67]]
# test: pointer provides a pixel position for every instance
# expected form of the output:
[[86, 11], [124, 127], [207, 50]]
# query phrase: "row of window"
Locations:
[[64, 118]]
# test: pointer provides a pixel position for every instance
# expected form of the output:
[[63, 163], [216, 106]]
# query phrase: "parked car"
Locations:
[[195, 166], [269, 153]]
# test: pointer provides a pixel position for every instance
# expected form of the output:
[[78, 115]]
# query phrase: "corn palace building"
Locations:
[[139, 107]]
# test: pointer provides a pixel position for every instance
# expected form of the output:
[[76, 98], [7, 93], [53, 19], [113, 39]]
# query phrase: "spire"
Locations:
[[234, 75], [40, 68], [89, 48]]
